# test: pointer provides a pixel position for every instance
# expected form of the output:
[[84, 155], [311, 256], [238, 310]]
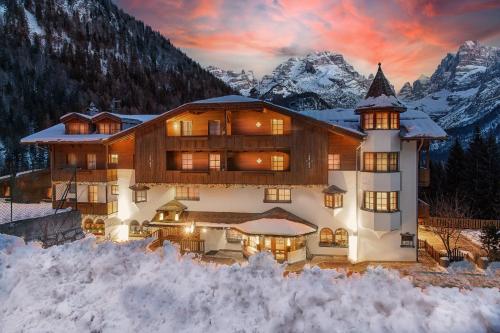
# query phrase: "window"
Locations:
[[394, 120], [381, 162], [277, 127], [233, 236], [381, 201], [368, 121], [283, 195], [381, 120], [333, 161], [341, 238], [214, 161], [187, 193], [77, 128], [186, 128], [214, 127], [92, 193], [277, 163], [407, 240], [108, 128], [71, 159], [326, 237], [115, 189], [334, 200], [187, 161], [113, 159], [72, 188], [140, 196], [91, 161], [134, 228]]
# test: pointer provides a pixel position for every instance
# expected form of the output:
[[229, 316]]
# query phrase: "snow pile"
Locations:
[[473, 235], [83, 287], [26, 211]]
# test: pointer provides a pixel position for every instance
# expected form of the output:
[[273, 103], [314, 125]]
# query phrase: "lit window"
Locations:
[[187, 161], [277, 163], [394, 120], [113, 158], [333, 161], [91, 161], [214, 127], [326, 237], [341, 238], [140, 196], [108, 128], [187, 193], [114, 189], [186, 128], [214, 161], [381, 162], [381, 201], [334, 200], [77, 128], [233, 236], [283, 195], [72, 188], [92, 193], [71, 159], [368, 121], [393, 161], [369, 161], [277, 126], [382, 120]]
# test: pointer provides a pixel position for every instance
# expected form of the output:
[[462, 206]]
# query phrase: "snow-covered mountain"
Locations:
[[318, 80], [243, 81], [463, 92]]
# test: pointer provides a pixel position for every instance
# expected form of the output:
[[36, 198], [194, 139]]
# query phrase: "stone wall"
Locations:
[[61, 228]]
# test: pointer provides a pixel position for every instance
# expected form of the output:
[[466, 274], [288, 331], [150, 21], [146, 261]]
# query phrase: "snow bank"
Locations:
[[83, 287]]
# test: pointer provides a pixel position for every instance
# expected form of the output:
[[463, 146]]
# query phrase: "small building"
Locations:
[[241, 174]]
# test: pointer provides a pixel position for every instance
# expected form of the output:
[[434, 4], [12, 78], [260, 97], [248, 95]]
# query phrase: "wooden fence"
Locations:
[[456, 254], [459, 223]]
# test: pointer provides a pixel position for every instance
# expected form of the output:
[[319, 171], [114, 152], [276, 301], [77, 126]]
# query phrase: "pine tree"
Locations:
[[454, 171]]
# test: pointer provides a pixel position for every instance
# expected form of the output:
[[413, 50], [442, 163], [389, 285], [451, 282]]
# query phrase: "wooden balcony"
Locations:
[[264, 177], [90, 208], [229, 142], [424, 177], [85, 175], [186, 243]]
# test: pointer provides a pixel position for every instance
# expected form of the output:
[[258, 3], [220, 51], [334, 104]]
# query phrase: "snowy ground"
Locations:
[[25, 211], [85, 286], [473, 236]]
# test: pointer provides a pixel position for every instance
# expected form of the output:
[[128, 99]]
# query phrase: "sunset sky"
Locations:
[[408, 37]]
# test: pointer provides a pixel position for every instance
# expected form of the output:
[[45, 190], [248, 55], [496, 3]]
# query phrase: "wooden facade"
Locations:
[[89, 208], [346, 147]]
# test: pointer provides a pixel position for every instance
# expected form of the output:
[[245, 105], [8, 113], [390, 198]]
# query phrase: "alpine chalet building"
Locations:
[[241, 174]]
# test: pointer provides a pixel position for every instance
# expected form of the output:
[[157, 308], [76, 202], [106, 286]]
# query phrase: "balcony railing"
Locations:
[[89, 208], [85, 175], [229, 142]]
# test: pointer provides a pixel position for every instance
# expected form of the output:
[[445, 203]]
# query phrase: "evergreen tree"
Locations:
[[454, 171]]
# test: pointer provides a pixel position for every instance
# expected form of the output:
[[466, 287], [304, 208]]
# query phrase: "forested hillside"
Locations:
[[58, 56]]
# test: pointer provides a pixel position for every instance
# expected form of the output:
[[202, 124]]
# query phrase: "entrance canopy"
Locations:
[[274, 227]]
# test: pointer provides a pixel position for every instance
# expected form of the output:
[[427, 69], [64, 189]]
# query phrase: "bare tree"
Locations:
[[448, 231]]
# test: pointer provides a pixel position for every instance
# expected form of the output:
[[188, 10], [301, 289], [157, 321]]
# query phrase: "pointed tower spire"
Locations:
[[380, 85]]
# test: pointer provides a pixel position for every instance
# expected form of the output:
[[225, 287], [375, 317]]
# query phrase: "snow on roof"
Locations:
[[414, 124], [382, 101], [22, 211], [57, 132], [227, 99], [21, 173]]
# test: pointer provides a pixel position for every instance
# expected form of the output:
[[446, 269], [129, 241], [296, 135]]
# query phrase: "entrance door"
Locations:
[[214, 127], [280, 249]]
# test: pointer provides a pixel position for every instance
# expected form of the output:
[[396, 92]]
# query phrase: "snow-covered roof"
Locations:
[[22, 211], [382, 101], [414, 124], [227, 99], [57, 133], [21, 173], [274, 227]]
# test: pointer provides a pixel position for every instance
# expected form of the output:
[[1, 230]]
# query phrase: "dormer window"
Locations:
[[77, 128], [108, 127]]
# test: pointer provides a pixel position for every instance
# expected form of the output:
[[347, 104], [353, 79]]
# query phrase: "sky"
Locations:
[[409, 37]]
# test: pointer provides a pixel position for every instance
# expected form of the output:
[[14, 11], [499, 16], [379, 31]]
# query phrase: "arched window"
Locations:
[[341, 238], [326, 237], [134, 228], [88, 225], [99, 227]]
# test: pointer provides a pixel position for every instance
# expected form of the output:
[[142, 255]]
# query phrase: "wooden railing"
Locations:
[[176, 236], [89, 208], [424, 177], [435, 254], [85, 175], [459, 223], [229, 142]]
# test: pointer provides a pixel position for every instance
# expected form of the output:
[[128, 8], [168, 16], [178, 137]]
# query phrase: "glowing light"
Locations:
[[176, 218], [204, 230], [288, 242], [190, 229], [258, 124], [259, 160], [161, 217]]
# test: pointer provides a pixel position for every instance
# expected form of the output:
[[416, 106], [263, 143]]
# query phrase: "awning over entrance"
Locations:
[[274, 222]]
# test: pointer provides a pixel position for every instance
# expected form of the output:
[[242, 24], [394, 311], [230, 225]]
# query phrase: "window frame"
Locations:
[[373, 201], [334, 161], [93, 195], [140, 196], [277, 163], [277, 195], [214, 161], [334, 200], [376, 161], [326, 237], [186, 127], [113, 158], [277, 126], [187, 161], [71, 159], [338, 240], [188, 193], [91, 161], [115, 189], [381, 120]]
